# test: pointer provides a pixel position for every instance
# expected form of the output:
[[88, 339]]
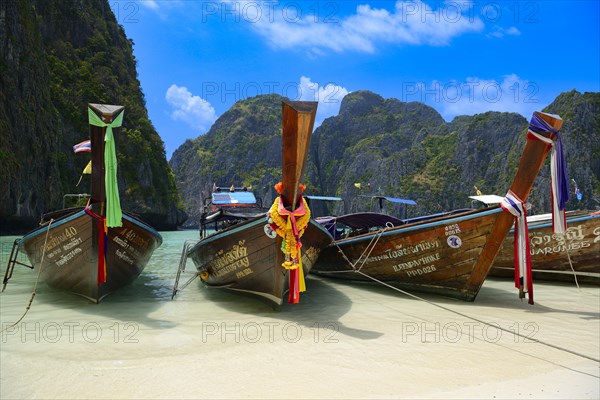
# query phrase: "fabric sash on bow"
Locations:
[[102, 242], [558, 171], [114, 214], [297, 283], [523, 275]]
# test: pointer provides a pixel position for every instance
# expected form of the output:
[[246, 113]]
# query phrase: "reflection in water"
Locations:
[[147, 302]]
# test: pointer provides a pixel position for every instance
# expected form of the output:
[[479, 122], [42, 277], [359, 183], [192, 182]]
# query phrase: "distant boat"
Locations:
[[449, 254], [552, 255], [246, 256], [93, 250], [228, 206]]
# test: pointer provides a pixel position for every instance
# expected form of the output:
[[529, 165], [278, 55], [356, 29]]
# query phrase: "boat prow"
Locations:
[[447, 254], [82, 250], [247, 256]]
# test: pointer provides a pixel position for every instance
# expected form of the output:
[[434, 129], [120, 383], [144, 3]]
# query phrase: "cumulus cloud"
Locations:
[[499, 32], [329, 97], [476, 95], [196, 112], [409, 23]]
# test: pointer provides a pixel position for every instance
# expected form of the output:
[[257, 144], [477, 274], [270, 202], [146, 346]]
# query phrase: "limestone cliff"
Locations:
[[55, 58], [393, 148]]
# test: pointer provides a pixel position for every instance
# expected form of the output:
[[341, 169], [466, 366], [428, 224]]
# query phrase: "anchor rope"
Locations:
[[372, 243], [570, 262], [37, 279], [597, 360]]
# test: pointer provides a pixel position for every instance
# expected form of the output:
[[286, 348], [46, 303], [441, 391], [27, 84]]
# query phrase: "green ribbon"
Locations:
[[114, 214]]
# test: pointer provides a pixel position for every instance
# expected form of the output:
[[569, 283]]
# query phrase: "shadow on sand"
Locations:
[[321, 306], [492, 297], [132, 303]]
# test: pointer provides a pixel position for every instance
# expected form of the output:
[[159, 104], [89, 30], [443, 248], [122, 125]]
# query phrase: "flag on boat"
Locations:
[[83, 147], [87, 170]]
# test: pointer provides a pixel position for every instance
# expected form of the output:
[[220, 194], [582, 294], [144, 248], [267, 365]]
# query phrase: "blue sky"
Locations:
[[195, 59]]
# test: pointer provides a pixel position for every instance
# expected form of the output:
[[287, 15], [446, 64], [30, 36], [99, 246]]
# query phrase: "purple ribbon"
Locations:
[[538, 125]]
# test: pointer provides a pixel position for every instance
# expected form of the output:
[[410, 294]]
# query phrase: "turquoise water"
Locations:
[[154, 284], [146, 298], [210, 343]]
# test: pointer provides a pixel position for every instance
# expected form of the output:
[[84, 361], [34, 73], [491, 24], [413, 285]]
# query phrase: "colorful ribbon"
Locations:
[[102, 242], [114, 214], [558, 171], [523, 275], [297, 282]]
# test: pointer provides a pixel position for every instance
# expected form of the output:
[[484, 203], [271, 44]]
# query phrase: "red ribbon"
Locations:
[[523, 274], [294, 292], [102, 243]]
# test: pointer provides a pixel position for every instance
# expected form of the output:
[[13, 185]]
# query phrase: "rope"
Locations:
[[377, 235], [570, 262], [37, 279], [468, 316]]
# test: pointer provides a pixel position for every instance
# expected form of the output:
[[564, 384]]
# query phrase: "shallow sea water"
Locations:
[[342, 341]]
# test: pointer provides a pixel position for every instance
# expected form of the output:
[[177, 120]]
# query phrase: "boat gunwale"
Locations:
[[77, 214], [576, 219], [423, 224], [241, 226]]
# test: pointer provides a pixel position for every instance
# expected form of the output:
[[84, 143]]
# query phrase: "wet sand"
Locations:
[[344, 340]]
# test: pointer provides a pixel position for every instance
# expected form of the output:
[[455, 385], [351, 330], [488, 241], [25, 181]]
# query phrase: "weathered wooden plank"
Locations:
[[549, 258], [233, 262]]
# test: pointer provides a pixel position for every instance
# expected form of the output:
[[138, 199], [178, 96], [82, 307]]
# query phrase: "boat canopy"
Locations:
[[323, 198], [392, 199], [233, 198], [397, 200], [488, 199]]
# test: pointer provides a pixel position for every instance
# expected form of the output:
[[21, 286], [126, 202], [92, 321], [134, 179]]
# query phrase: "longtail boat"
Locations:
[[247, 256], [572, 256], [228, 206], [450, 254], [93, 250]]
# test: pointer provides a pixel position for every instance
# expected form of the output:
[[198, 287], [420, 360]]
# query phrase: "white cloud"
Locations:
[[409, 23], [477, 95], [193, 110], [161, 8], [329, 97], [499, 32], [151, 4]]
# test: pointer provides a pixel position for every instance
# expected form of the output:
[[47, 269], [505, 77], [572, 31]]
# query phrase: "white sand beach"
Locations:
[[343, 340]]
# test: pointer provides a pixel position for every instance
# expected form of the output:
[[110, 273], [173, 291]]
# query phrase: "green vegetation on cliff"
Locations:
[[56, 58], [243, 147], [580, 135], [400, 149]]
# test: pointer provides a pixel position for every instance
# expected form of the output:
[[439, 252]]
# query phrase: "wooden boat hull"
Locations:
[[244, 258], [439, 255], [71, 256], [549, 259], [449, 255]]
